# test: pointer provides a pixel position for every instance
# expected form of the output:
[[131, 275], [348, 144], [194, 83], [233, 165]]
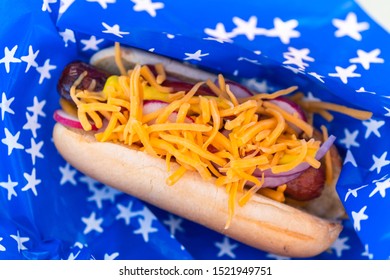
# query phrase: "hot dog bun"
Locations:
[[261, 223]]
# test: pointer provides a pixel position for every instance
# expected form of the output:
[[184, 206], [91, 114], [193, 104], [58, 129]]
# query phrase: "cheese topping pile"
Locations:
[[221, 137]]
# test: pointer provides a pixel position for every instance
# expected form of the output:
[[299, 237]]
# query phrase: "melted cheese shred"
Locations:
[[221, 137]]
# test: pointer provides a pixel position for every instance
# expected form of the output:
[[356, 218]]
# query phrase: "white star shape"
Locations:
[[195, 56], [350, 27], [340, 245], [92, 223], [30, 58], [248, 28], [35, 150], [350, 158], [115, 30], [388, 111], [373, 126], [46, 6], [367, 253], [91, 44], [10, 187], [125, 213], [350, 139], [381, 187], [284, 30], [5, 105], [91, 183], [9, 57], [311, 97], [37, 107], [358, 217], [297, 57], [32, 124], [11, 141], [353, 192], [32, 182], [345, 73], [226, 248], [146, 226], [44, 70], [68, 35], [20, 240], [100, 194], [2, 248], [103, 3], [362, 89], [366, 58], [219, 34], [379, 162], [174, 224], [147, 6], [64, 5], [112, 256], [67, 175]]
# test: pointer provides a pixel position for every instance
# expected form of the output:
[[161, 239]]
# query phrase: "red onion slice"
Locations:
[[68, 120], [301, 167], [151, 106], [239, 90]]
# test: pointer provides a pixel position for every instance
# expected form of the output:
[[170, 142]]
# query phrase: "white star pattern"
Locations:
[[35, 150], [112, 256], [381, 187], [37, 107], [32, 124], [46, 5], [44, 70], [114, 30], [195, 56], [10, 187], [349, 158], [367, 253], [68, 35], [92, 224], [91, 44], [353, 192], [146, 224], [219, 33], [5, 105], [358, 217], [2, 248], [317, 76], [20, 240], [284, 30], [248, 28], [125, 213], [174, 224], [100, 194], [340, 245], [226, 248], [350, 27], [32, 182], [366, 58], [67, 175], [388, 111], [350, 139], [30, 58], [147, 6], [380, 162], [345, 73], [11, 141], [297, 57], [373, 126], [362, 89], [9, 57], [103, 3]]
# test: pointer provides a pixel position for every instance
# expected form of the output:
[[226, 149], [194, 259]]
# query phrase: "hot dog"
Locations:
[[198, 150]]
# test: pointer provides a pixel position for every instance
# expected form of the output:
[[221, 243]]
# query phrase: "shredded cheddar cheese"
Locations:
[[221, 137]]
